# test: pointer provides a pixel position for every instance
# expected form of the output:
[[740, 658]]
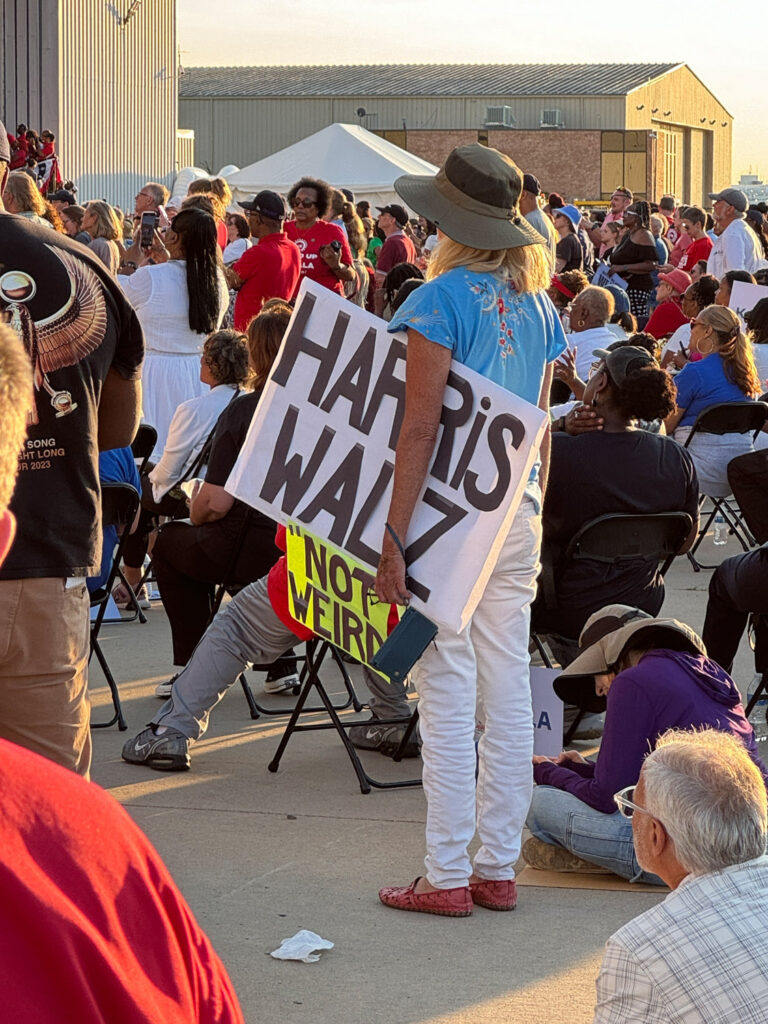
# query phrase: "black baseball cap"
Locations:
[[531, 184], [63, 196], [268, 203], [396, 211]]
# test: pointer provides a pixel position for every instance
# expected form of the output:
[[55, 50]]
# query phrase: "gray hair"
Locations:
[[598, 301], [710, 797], [159, 192]]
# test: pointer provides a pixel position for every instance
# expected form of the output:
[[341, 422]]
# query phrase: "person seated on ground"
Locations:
[[397, 276], [756, 320], [698, 296], [698, 815], [723, 296], [254, 627], [224, 367], [725, 373], [668, 314], [84, 892], [613, 467], [189, 559], [649, 675], [590, 312]]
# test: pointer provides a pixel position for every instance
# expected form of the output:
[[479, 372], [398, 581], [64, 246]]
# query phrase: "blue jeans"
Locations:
[[561, 819]]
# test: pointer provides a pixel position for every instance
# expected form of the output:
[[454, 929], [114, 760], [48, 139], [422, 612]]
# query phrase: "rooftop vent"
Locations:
[[499, 117], [551, 119]]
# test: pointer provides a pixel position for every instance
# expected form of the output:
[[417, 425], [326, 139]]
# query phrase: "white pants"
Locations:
[[489, 660]]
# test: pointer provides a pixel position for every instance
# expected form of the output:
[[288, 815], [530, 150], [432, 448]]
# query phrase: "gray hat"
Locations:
[[473, 199], [5, 146], [605, 635], [622, 360], [734, 197]]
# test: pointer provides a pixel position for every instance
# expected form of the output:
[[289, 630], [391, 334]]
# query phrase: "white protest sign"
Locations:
[[320, 452], [602, 278], [745, 296], [547, 712]]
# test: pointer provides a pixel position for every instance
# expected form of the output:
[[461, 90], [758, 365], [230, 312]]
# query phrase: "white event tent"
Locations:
[[345, 155]]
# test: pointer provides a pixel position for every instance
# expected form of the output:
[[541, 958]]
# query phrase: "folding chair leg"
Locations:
[[253, 707], [138, 612], [542, 650], [573, 727], [352, 700], [762, 688], [398, 755], [118, 715]]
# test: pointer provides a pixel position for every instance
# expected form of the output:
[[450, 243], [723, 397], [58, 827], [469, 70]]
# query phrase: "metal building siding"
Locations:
[[117, 97], [28, 63]]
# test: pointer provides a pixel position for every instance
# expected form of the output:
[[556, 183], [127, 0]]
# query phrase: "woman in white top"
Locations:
[[179, 303], [238, 238], [102, 224]]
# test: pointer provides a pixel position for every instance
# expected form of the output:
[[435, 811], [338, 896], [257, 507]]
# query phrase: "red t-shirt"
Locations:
[[92, 926], [47, 149], [698, 250], [398, 248], [269, 270], [19, 153], [665, 319], [310, 242], [221, 234]]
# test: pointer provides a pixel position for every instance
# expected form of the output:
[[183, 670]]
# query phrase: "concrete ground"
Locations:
[[261, 855]]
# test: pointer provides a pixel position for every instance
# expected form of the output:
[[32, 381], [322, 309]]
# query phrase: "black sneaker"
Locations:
[[385, 739], [166, 753]]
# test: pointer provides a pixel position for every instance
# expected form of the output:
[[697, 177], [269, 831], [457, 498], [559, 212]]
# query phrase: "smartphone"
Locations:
[[149, 222]]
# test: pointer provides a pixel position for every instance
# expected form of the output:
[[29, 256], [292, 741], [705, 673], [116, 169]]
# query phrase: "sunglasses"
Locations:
[[306, 203]]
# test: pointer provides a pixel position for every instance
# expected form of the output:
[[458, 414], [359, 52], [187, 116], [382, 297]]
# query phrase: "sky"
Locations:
[[727, 58]]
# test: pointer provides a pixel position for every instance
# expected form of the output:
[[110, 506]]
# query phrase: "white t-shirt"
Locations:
[[737, 248], [235, 250], [681, 336], [585, 343]]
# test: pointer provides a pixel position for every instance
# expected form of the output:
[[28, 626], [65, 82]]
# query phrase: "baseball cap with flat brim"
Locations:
[[604, 638], [473, 199]]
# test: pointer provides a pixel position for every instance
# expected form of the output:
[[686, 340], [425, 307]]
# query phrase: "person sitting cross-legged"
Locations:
[[650, 675], [255, 626], [698, 820]]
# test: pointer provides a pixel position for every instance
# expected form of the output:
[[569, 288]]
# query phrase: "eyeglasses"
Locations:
[[145, 194], [626, 805], [595, 368], [306, 203]]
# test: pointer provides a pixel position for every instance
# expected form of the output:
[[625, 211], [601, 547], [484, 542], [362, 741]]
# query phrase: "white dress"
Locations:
[[171, 372]]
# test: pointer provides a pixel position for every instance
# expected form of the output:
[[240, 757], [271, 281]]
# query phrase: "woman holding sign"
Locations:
[[484, 305]]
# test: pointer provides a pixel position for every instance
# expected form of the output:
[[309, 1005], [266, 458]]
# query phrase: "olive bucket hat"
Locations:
[[605, 636], [473, 199]]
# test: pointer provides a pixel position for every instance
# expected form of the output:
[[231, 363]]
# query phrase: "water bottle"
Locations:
[[721, 531], [757, 716]]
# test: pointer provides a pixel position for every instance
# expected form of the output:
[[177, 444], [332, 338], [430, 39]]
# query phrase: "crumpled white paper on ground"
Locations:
[[301, 946]]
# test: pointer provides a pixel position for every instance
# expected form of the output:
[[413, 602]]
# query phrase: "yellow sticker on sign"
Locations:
[[331, 594]]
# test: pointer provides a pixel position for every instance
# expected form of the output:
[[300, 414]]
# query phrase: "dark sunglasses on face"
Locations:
[[306, 203]]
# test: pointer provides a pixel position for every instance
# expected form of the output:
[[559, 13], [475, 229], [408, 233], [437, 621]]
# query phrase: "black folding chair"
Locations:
[[612, 539], [142, 447], [119, 504], [317, 651], [726, 418]]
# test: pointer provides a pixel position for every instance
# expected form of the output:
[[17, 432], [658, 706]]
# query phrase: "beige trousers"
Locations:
[[44, 642]]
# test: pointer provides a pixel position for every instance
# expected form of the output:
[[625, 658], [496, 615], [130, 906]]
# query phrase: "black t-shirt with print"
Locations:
[[229, 437], [569, 249], [75, 324]]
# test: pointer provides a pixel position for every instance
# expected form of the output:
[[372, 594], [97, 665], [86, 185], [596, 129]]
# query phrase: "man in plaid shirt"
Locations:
[[699, 822]]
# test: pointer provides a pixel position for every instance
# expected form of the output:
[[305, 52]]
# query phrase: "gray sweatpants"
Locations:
[[248, 630]]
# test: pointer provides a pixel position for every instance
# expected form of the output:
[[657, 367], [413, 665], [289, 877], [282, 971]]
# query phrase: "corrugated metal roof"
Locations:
[[421, 80]]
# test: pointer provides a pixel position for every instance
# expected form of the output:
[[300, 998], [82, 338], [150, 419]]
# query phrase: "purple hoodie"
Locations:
[[666, 690]]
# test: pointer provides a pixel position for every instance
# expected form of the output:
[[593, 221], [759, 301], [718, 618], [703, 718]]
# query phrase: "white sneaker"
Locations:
[[281, 683]]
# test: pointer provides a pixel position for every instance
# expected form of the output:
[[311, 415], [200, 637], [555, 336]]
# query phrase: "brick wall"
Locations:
[[564, 161]]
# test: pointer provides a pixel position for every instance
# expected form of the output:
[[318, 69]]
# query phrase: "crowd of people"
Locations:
[[621, 329]]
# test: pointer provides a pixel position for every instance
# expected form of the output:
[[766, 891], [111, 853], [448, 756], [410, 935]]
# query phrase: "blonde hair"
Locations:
[[107, 222], [26, 193], [265, 335], [220, 188], [16, 398], [207, 201], [733, 346], [528, 267]]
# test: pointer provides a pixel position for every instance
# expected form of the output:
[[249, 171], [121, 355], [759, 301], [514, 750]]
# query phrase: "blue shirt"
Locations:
[[116, 466], [702, 384], [507, 337]]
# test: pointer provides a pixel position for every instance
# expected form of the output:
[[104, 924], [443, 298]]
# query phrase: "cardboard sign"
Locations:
[[745, 296], [602, 278], [331, 594], [321, 452], [547, 712]]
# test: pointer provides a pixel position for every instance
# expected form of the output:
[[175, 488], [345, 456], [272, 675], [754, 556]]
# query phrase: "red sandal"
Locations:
[[495, 895], [446, 902]]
